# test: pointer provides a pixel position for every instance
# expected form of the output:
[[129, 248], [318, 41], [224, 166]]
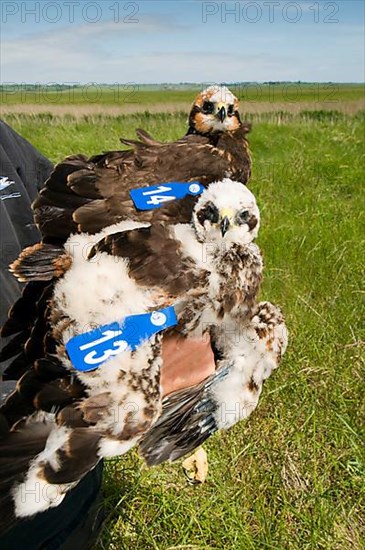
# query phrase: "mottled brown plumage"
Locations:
[[90, 194], [50, 402], [155, 258], [82, 416]]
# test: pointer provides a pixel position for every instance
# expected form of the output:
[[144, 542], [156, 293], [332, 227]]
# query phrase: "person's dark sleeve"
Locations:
[[76, 522], [23, 171]]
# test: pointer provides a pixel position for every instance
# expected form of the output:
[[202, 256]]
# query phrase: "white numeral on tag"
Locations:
[[92, 359], [159, 189], [158, 199], [108, 335]]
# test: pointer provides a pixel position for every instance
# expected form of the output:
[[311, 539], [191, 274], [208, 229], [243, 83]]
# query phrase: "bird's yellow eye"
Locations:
[[230, 110], [208, 107]]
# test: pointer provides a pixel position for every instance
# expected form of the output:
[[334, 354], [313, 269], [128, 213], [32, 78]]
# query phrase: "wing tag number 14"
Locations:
[[149, 198]]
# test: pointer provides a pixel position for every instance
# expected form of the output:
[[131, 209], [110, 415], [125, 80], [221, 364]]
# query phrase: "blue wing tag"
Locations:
[[148, 198], [89, 350]]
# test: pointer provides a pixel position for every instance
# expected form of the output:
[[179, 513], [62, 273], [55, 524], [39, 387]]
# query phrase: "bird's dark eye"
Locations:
[[230, 110], [208, 107], [243, 217], [209, 212]]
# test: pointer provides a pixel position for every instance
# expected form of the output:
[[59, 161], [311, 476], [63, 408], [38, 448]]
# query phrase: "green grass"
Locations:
[[291, 477], [134, 94]]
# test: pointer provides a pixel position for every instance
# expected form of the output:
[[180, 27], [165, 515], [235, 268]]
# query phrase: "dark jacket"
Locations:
[[22, 172], [77, 521]]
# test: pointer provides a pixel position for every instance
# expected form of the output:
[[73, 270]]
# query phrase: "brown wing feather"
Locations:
[[41, 262], [56, 202], [90, 194], [155, 258], [191, 158]]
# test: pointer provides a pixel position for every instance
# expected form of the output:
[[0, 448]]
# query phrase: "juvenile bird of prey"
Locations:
[[63, 420], [89, 194]]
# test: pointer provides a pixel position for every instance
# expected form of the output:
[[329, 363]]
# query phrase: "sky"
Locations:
[[146, 41]]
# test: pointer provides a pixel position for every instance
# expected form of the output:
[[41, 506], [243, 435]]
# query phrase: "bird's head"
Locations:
[[215, 109], [226, 213]]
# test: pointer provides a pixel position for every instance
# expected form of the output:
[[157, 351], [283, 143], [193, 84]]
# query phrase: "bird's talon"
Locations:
[[196, 467]]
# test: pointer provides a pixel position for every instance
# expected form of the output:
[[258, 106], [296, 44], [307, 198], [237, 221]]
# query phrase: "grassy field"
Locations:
[[291, 477], [130, 98], [134, 93]]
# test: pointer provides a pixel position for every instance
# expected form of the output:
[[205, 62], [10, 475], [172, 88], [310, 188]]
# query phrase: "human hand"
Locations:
[[186, 362]]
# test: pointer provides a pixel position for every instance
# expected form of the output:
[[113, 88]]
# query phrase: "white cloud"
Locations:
[[68, 50]]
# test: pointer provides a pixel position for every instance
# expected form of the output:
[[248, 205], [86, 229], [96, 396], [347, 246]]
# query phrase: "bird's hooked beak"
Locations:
[[226, 217], [221, 112], [224, 225]]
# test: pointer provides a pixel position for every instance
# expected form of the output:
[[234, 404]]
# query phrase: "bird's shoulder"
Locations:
[[156, 257]]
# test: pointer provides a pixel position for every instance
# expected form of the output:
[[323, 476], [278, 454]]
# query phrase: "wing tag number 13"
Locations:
[[89, 350]]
